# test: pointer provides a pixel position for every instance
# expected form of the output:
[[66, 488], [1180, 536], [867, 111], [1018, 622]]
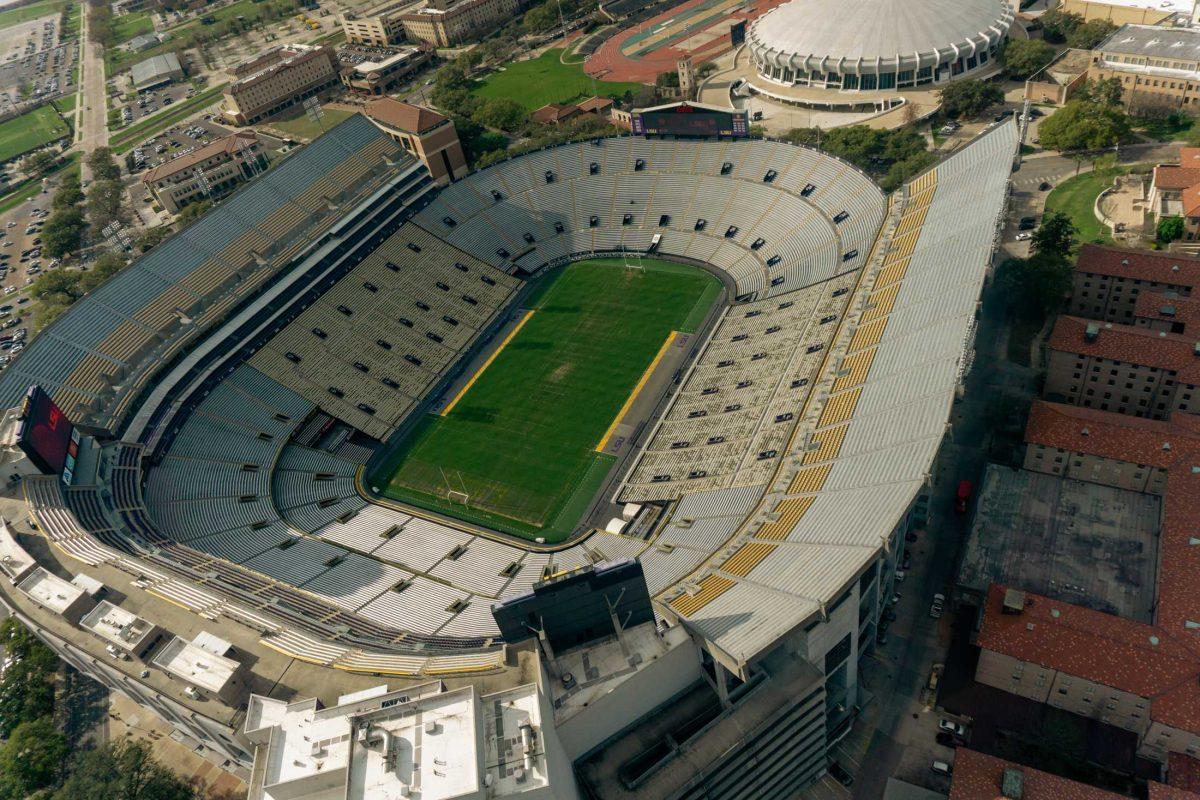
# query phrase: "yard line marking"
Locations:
[[662, 351], [466, 387]]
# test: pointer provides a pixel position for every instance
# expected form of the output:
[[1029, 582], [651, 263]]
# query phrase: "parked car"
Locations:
[[1022, 237], [942, 768], [962, 497], [1044, 186], [950, 726], [937, 606]]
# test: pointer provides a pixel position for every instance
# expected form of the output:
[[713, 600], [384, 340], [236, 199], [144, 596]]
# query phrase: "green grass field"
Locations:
[[522, 440], [34, 129], [127, 26], [300, 126], [544, 80], [45, 8]]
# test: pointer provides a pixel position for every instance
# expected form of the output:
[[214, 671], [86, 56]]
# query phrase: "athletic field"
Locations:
[[517, 449], [33, 129]]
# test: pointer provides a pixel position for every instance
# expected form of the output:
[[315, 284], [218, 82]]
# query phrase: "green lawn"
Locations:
[[544, 80], [33, 129], [522, 440], [15, 16], [66, 103], [127, 26], [128, 137], [31, 187], [1076, 197], [300, 126], [71, 29]]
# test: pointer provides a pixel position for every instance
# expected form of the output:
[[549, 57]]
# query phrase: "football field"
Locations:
[[517, 450]]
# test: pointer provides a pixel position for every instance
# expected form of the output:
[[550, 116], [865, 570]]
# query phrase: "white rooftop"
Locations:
[[50, 591], [1174, 6], [13, 559], [116, 625], [418, 742], [194, 663], [373, 66]]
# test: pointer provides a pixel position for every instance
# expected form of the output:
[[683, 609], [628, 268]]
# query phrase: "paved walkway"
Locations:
[[92, 127]]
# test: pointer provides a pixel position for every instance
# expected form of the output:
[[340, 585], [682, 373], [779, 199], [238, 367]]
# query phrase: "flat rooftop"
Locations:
[[116, 625], [50, 591], [197, 662], [1077, 542], [14, 560]]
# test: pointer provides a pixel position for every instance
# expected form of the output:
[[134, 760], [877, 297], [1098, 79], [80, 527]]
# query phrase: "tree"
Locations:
[[1024, 57], [478, 140], [31, 759], [123, 770], [194, 211], [1104, 92], [1038, 285], [104, 203], [27, 686], [1170, 229], [68, 194], [102, 165], [667, 80], [1057, 25], [969, 97], [540, 19], [501, 112], [1090, 34], [1084, 125], [39, 163], [63, 233], [152, 237], [1056, 235]]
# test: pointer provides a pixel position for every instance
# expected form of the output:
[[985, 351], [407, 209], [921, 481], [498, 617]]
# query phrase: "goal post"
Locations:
[[457, 496]]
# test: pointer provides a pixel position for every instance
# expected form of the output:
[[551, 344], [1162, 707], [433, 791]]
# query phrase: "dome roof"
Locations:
[[865, 36]]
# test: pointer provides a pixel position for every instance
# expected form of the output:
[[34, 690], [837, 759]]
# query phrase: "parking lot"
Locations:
[[152, 101], [36, 62]]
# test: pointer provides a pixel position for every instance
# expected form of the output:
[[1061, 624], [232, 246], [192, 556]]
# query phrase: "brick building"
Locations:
[[224, 163], [426, 134], [382, 30], [1122, 368], [445, 23], [278, 80]]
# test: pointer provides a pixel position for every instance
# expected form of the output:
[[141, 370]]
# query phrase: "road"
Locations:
[[92, 131]]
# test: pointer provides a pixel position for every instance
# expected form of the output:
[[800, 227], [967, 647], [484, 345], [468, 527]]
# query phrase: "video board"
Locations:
[[47, 436], [690, 120]]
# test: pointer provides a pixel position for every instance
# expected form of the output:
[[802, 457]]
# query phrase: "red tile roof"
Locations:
[[1102, 433], [555, 112], [1173, 176], [977, 777], [403, 116], [1186, 309], [226, 144], [1165, 268], [1183, 775], [1142, 441], [1130, 344]]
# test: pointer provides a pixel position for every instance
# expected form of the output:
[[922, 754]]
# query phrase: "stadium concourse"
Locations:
[[227, 390]]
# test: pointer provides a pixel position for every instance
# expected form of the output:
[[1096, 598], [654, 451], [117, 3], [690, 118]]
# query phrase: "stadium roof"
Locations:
[[869, 36], [888, 446], [95, 354]]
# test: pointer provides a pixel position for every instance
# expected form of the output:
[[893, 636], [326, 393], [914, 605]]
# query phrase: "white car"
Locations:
[[1024, 236], [956, 728], [941, 768], [937, 606], [9, 289]]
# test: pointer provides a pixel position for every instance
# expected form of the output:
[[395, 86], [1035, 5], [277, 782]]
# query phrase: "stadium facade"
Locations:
[[186, 522], [876, 45]]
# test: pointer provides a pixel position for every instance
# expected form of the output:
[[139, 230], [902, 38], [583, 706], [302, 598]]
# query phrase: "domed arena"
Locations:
[[877, 45], [618, 433]]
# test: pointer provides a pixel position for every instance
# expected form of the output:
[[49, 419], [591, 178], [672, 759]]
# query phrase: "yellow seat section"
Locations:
[[711, 588], [858, 364], [747, 557], [892, 272], [881, 303], [867, 335], [790, 512], [829, 444], [840, 407], [809, 480], [912, 220]]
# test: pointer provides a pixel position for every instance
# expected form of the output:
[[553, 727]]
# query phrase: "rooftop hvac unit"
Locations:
[[1012, 784], [1014, 601]]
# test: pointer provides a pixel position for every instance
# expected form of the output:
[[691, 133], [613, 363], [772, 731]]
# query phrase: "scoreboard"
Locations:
[[690, 119], [47, 436]]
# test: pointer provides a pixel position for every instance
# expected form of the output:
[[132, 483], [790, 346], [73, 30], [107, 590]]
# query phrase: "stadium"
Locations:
[[611, 442]]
